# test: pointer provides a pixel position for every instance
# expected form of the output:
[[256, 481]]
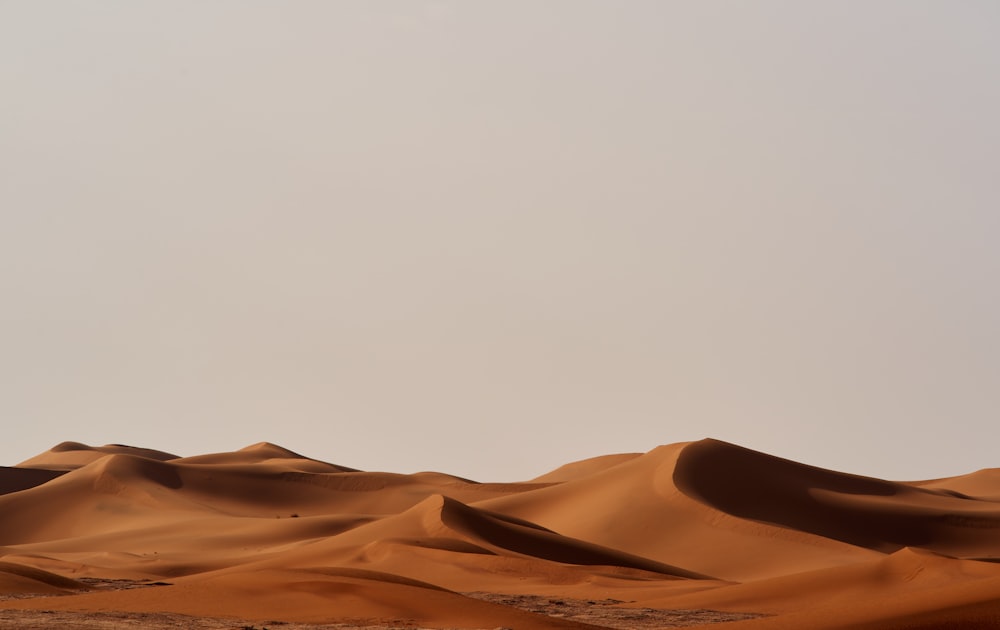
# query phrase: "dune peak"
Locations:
[[63, 447], [269, 448]]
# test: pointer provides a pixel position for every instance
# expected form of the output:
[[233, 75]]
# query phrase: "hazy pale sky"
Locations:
[[493, 237]]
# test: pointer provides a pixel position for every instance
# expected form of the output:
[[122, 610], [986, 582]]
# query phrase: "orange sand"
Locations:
[[267, 534]]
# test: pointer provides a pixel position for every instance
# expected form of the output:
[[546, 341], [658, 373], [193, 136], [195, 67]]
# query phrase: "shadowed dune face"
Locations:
[[266, 533], [17, 479], [531, 540], [495, 533], [861, 511]]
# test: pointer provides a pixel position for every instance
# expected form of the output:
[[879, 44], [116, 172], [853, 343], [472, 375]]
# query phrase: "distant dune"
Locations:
[[72, 455], [720, 532]]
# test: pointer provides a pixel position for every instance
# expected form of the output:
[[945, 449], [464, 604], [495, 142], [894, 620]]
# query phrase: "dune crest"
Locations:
[[982, 484], [584, 467], [265, 452], [72, 455]]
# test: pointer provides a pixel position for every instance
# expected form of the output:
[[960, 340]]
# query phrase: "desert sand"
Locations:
[[699, 534]]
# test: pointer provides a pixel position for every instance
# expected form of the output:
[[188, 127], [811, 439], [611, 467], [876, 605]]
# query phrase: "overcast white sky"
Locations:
[[492, 237]]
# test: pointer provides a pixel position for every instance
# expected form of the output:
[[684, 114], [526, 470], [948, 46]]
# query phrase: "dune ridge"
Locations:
[[72, 455], [265, 533]]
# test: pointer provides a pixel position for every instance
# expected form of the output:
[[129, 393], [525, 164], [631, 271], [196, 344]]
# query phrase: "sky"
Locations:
[[489, 238]]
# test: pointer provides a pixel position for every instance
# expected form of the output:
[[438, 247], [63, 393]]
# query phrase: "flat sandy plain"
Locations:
[[699, 534]]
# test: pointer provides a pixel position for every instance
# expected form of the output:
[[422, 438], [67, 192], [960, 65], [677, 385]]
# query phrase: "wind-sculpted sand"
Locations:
[[687, 535]]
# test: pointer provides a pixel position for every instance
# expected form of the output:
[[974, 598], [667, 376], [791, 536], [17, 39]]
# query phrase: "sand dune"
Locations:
[[71, 455], [636, 506], [451, 544], [264, 533], [119, 492], [861, 511], [265, 452]]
